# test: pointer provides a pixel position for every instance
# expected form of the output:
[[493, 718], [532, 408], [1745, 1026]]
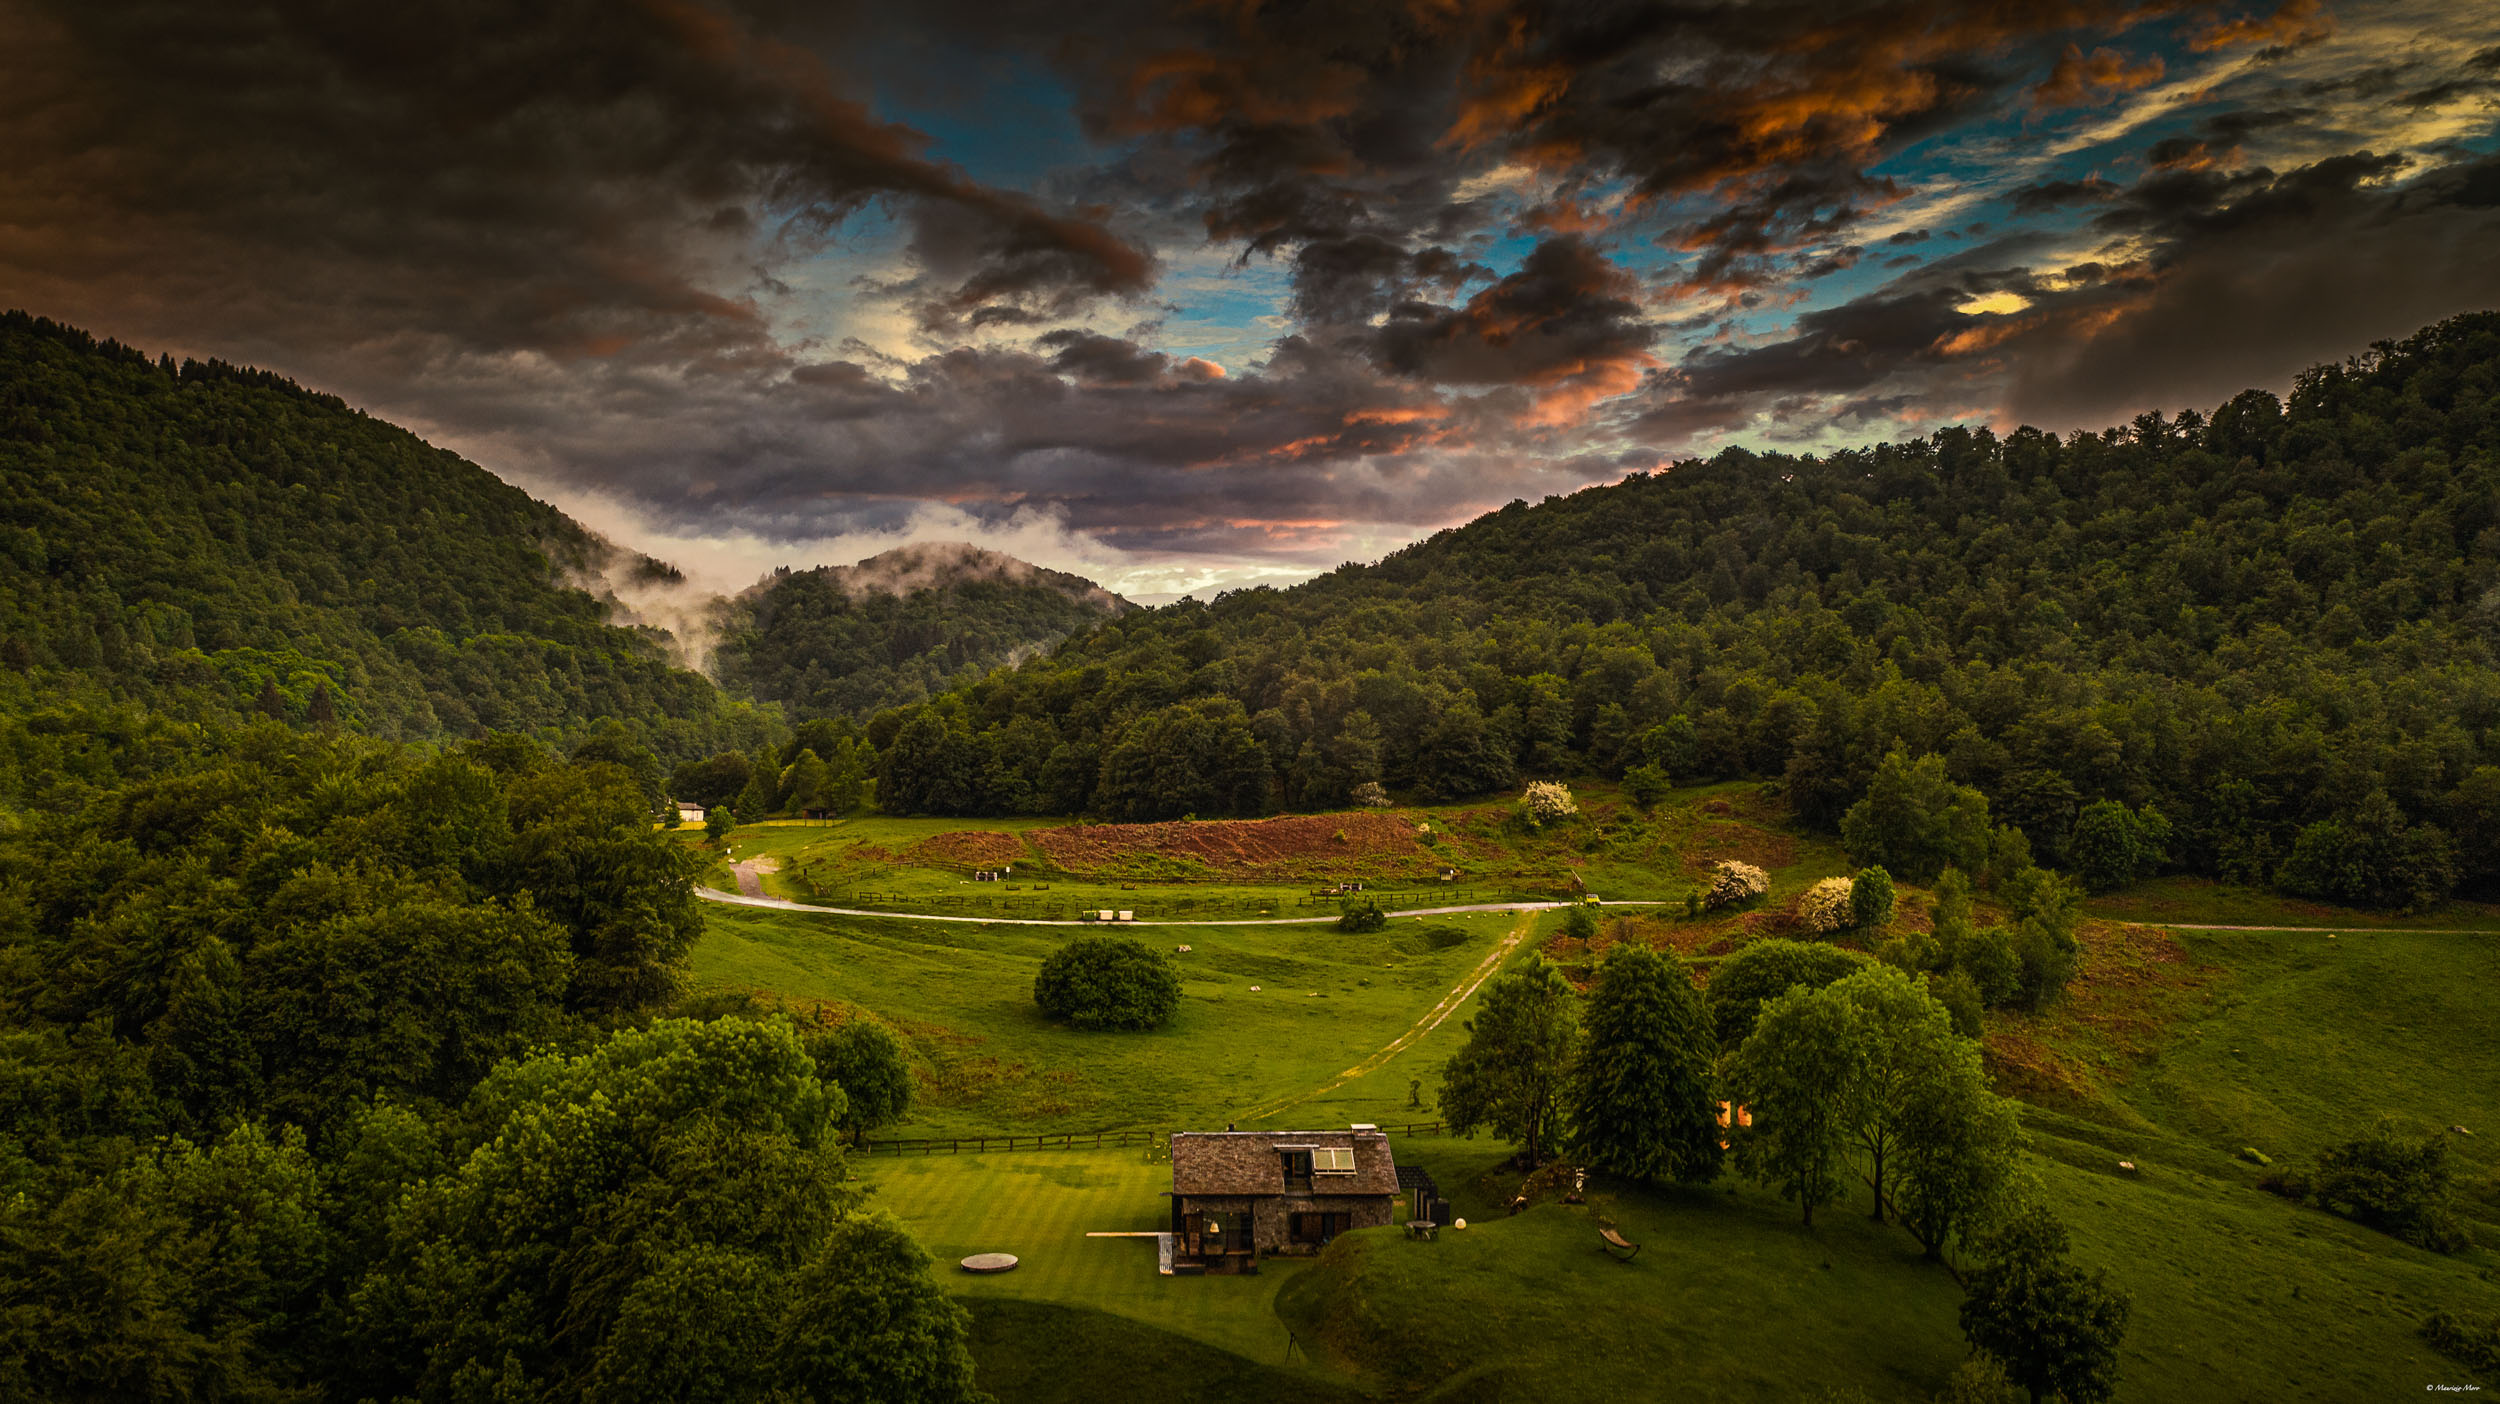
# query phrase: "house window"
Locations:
[[1332, 1160]]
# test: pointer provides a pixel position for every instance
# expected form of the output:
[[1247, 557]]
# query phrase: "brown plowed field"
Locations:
[[1296, 846], [972, 848]]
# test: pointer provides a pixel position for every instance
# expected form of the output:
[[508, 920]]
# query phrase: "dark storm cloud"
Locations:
[[643, 247], [1567, 316], [2265, 280], [2057, 194], [578, 172], [2251, 276]]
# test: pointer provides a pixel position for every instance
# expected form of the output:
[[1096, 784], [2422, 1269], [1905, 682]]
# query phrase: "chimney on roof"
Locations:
[[1365, 1128]]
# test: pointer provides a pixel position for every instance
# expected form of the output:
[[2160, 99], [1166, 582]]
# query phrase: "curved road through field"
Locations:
[[781, 905]]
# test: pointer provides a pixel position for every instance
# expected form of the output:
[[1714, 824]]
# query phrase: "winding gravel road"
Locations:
[[779, 904]]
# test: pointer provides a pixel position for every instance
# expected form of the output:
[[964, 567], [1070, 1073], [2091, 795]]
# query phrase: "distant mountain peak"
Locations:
[[928, 565]]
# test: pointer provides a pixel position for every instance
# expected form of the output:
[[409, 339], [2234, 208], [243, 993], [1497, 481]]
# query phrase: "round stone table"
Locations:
[[989, 1262]]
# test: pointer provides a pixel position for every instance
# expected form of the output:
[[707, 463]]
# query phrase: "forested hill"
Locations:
[[206, 540], [2273, 621], [898, 627]]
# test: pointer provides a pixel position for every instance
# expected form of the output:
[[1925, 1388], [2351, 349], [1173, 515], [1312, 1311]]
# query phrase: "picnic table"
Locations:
[[1422, 1228]]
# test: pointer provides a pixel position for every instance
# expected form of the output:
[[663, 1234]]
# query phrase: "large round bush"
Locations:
[[1108, 982]]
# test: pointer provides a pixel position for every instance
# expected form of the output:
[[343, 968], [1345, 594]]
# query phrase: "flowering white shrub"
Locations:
[[1733, 882], [1825, 907], [1545, 801], [1370, 795]]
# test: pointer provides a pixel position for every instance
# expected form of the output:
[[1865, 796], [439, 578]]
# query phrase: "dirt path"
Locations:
[[1433, 1019], [750, 875]]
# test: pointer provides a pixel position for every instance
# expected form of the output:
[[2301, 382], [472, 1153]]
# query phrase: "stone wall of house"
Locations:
[[1273, 1229], [1271, 1222]]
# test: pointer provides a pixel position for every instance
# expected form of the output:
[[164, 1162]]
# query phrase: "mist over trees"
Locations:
[[214, 542], [894, 629]]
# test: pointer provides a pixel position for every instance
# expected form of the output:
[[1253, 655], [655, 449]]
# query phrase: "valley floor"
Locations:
[[2176, 1048]]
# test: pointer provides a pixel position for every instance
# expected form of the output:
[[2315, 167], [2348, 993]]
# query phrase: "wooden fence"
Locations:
[[1063, 1140], [1013, 900]]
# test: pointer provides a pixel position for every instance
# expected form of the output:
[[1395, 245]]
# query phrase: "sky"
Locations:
[[1187, 296]]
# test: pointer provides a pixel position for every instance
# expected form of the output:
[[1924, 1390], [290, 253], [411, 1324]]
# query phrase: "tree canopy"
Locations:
[[1640, 1102], [1108, 982], [1513, 1072]]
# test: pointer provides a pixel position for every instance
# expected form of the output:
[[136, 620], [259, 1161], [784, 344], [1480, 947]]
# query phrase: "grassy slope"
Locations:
[[989, 1061], [1729, 1299], [2206, 902], [1034, 1352]]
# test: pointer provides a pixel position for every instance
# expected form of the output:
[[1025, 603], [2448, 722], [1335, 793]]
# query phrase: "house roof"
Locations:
[[1247, 1162]]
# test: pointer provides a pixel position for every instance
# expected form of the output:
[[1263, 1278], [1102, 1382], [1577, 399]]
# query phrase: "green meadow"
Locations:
[[1268, 1013]]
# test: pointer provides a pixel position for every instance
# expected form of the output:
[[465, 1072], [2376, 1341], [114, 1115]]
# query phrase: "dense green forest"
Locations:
[[897, 628], [208, 541], [332, 1069], [2273, 624]]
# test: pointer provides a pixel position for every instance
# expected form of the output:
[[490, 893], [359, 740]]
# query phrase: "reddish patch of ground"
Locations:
[[1710, 842], [1294, 846], [2131, 985], [2027, 1068], [968, 848]]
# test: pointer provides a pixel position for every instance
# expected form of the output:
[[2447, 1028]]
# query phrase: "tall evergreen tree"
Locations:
[[1640, 1103]]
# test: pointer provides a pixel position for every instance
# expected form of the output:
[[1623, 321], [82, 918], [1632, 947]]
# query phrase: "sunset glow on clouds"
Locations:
[[1192, 294]]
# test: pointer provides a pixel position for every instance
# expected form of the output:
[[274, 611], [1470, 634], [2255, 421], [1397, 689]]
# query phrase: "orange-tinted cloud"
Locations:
[[2105, 73], [2296, 24]]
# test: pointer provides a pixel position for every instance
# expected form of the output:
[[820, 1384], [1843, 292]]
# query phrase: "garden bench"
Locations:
[[1615, 1241]]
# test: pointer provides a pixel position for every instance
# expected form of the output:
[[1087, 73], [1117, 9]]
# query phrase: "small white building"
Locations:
[[689, 812]]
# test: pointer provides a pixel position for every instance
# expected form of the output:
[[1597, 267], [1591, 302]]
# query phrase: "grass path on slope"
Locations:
[[1268, 1013], [1433, 1019]]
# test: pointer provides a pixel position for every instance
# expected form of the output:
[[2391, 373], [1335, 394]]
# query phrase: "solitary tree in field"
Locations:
[[1512, 1074], [2055, 1326], [1825, 908], [1108, 982], [1799, 1072], [1640, 1097], [1361, 914], [718, 823]]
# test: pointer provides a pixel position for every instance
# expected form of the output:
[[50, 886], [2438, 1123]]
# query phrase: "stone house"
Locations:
[[1238, 1194]]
